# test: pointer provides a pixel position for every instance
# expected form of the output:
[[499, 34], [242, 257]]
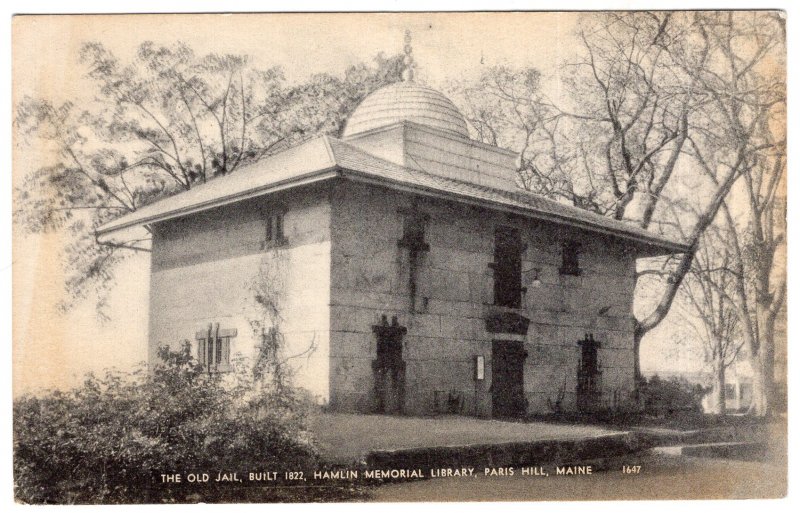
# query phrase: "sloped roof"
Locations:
[[305, 160], [326, 157]]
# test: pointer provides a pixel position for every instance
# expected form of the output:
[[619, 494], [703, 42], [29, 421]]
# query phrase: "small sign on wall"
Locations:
[[479, 367]]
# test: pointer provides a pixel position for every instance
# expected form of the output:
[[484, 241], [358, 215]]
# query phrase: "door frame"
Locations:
[[510, 348]]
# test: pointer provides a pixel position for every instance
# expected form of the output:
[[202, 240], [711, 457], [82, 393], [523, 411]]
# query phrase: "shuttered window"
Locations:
[[274, 228], [214, 348], [507, 266], [570, 251]]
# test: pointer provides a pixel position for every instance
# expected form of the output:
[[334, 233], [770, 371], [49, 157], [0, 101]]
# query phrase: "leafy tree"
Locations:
[[162, 123]]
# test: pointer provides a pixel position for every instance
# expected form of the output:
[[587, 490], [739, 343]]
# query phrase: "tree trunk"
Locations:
[[768, 373], [637, 344], [759, 404], [719, 387], [684, 264], [763, 362], [763, 377], [767, 356]]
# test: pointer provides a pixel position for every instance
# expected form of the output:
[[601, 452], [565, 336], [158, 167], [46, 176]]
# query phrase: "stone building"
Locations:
[[408, 271]]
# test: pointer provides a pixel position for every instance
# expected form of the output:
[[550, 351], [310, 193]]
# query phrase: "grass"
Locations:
[[344, 438]]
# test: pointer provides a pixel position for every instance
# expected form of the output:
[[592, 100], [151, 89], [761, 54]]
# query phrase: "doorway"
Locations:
[[508, 390], [388, 368], [589, 374]]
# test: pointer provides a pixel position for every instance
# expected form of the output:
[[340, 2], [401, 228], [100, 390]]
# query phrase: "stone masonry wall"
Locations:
[[205, 268], [447, 330]]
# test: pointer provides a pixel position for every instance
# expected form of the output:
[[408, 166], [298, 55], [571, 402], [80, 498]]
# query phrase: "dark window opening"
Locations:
[[275, 229], [570, 252], [507, 267], [413, 240], [414, 232]]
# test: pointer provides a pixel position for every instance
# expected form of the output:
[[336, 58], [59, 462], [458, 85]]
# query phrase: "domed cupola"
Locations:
[[418, 128], [406, 101]]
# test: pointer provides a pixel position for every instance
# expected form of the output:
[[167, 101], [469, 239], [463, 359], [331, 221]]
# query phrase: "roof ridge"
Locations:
[[352, 146], [326, 138]]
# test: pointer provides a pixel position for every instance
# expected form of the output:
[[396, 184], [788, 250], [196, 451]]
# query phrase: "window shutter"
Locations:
[[278, 227], [202, 341], [226, 351], [214, 354], [201, 351]]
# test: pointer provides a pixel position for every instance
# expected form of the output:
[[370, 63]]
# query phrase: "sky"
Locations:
[[52, 349]]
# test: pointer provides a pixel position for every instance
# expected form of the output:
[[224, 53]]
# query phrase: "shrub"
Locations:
[[668, 396], [109, 440]]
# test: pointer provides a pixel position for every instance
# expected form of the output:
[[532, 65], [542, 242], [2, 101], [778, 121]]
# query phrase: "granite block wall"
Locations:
[[446, 329], [341, 270]]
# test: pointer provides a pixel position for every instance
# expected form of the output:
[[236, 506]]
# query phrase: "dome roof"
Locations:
[[406, 101]]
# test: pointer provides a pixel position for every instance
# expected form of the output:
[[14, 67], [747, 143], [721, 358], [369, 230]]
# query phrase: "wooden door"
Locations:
[[508, 390], [389, 369]]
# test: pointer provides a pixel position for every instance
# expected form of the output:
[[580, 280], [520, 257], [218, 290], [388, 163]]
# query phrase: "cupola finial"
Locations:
[[408, 59]]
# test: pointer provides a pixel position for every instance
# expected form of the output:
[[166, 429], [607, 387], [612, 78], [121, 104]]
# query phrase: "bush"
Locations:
[[668, 396], [109, 440]]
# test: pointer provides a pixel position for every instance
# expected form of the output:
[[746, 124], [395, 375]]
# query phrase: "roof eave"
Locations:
[[661, 247], [431, 130], [308, 178]]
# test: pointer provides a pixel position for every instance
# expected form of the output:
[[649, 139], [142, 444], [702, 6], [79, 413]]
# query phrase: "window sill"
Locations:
[[220, 369], [503, 319], [413, 245], [495, 308], [272, 244]]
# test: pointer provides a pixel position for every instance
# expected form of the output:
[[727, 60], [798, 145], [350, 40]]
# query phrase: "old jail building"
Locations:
[[412, 274]]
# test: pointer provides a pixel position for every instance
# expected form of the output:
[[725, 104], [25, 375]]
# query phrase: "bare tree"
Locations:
[[747, 89], [612, 142], [707, 290], [656, 101], [757, 245], [719, 61]]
